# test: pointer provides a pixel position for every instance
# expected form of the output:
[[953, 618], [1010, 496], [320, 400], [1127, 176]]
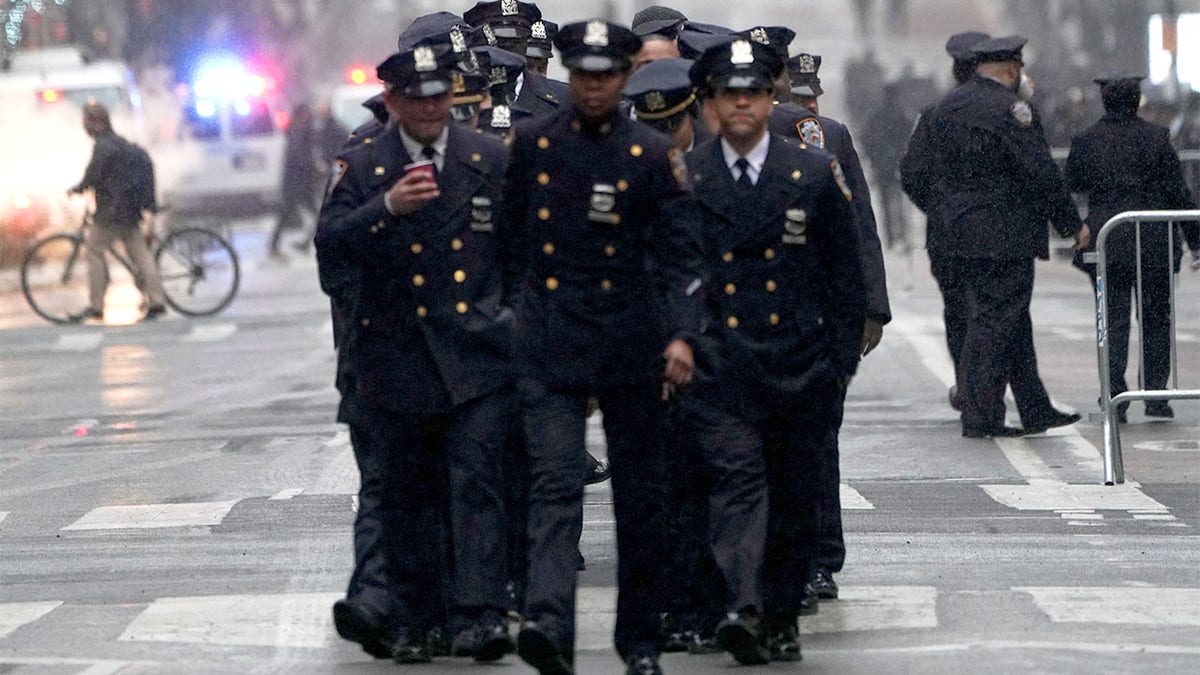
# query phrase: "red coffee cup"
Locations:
[[426, 167]]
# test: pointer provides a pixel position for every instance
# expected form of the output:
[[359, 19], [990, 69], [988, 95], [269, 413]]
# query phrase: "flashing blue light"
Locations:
[[220, 76], [205, 108]]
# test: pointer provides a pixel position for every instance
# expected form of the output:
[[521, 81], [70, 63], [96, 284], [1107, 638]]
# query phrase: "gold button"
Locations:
[[418, 280], [544, 213], [366, 140], [379, 171], [774, 319], [610, 250], [417, 248], [548, 248], [803, 146], [551, 283], [771, 286], [769, 254], [381, 225], [544, 178], [616, 219], [796, 174], [730, 289], [461, 308], [374, 229], [606, 285], [622, 185], [366, 322], [543, 142], [732, 322], [475, 156], [727, 256], [460, 276], [820, 321], [635, 150], [456, 244], [421, 311]]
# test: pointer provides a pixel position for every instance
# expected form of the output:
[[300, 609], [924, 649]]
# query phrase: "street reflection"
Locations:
[[130, 377]]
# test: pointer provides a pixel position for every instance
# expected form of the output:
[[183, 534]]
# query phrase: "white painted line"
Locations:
[[1053, 496], [209, 332], [852, 500], [13, 615], [1084, 516], [876, 608], [148, 516], [3, 515], [1087, 523], [285, 494], [1153, 516], [340, 476], [94, 666], [595, 617], [354, 504], [1144, 606], [1018, 646], [290, 620], [78, 342]]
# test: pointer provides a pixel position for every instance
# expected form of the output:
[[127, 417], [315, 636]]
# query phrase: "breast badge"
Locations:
[[604, 200], [481, 214], [795, 227]]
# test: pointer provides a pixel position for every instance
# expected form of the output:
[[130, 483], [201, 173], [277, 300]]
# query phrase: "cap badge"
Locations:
[[596, 34], [499, 75], [655, 101], [759, 35], [741, 53], [807, 64], [425, 60], [501, 117], [539, 30], [509, 8], [457, 84], [457, 42], [489, 35]]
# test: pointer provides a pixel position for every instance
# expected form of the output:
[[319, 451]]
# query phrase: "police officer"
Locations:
[[1124, 163], [664, 99], [801, 118], [540, 50], [430, 348], [601, 252], [996, 186], [787, 301], [509, 26]]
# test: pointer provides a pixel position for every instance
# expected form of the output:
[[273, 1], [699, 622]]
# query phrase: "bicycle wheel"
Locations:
[[199, 270], [54, 277]]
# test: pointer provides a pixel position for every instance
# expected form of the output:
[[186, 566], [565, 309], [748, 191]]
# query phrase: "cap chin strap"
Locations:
[[669, 111]]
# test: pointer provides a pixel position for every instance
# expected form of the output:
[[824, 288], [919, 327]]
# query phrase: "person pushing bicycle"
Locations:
[[118, 217]]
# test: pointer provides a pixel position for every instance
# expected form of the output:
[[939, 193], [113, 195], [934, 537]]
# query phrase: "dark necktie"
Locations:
[[744, 167], [429, 154]]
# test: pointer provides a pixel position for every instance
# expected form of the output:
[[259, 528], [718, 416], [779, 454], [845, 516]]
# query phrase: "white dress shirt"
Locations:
[[756, 157]]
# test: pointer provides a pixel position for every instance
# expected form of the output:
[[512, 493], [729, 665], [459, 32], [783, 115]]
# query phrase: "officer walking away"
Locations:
[[299, 175], [601, 252], [1124, 163], [431, 356], [996, 187], [120, 193], [882, 141], [787, 303], [917, 179]]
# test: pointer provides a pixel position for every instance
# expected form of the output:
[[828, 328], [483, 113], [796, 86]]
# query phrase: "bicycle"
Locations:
[[200, 272]]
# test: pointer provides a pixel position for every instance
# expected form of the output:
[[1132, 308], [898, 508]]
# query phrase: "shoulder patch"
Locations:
[[840, 178], [335, 175], [679, 168], [1022, 113], [811, 131]]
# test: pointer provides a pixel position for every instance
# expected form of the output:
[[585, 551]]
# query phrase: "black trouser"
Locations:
[[947, 271], [1154, 317], [443, 511], [369, 585], [830, 547], [998, 347], [555, 427], [895, 222]]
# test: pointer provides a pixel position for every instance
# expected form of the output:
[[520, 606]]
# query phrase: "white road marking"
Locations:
[[78, 342], [94, 666], [3, 515], [340, 476], [1063, 497], [209, 332], [595, 617], [13, 615], [852, 500], [1145, 606], [148, 516], [1019, 646], [285, 494], [876, 608], [290, 620]]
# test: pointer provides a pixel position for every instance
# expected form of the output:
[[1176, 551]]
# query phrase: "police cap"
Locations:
[[657, 19], [420, 72], [661, 88], [803, 70], [508, 19], [697, 38], [737, 64], [541, 38], [960, 44], [468, 87], [775, 37], [597, 46], [430, 28], [1007, 48], [499, 66]]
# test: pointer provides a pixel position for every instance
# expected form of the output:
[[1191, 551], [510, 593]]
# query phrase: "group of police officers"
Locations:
[[688, 247]]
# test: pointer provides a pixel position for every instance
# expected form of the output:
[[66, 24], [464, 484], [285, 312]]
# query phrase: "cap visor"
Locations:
[[538, 52], [651, 27], [511, 32], [741, 81], [427, 88], [594, 63], [807, 90]]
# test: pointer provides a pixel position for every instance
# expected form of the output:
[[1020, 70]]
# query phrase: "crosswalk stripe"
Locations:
[[148, 516], [875, 608], [209, 332], [1055, 496], [78, 342], [287, 620], [1145, 606], [3, 515], [852, 500], [13, 615]]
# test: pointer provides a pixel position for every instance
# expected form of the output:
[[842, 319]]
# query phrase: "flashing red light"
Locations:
[[357, 75], [51, 95], [282, 119]]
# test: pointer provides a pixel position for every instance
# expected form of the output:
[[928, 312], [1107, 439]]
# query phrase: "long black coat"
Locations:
[[425, 327]]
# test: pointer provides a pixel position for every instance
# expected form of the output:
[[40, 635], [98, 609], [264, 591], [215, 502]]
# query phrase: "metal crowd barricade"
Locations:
[[1114, 468]]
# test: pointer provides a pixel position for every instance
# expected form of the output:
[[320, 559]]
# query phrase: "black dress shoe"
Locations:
[[952, 396], [86, 315], [783, 639], [437, 642], [998, 432], [537, 648], [153, 312], [643, 664], [595, 470], [675, 642], [740, 635], [823, 583], [1160, 409], [410, 647], [1056, 418], [492, 642], [810, 602], [356, 624], [704, 644]]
